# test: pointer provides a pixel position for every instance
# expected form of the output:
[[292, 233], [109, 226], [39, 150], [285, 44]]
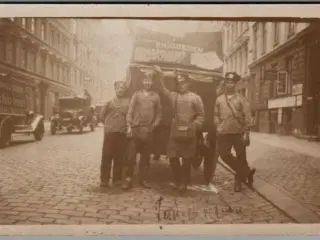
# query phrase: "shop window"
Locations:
[[282, 83]]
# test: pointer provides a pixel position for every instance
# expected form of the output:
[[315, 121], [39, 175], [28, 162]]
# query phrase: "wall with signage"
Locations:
[[13, 96]]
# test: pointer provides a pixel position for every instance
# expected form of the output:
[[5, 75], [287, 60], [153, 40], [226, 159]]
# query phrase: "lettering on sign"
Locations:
[[282, 102], [147, 54], [13, 97], [297, 89], [180, 47]]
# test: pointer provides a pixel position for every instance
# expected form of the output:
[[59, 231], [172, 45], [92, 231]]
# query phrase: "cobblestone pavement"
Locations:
[[295, 172], [56, 182]]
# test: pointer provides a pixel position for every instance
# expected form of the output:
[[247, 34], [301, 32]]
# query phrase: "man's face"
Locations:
[[183, 85], [230, 85], [147, 83], [119, 89]]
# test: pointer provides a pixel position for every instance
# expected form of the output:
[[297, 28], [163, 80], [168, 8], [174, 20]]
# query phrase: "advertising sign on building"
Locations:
[[297, 89], [12, 96]]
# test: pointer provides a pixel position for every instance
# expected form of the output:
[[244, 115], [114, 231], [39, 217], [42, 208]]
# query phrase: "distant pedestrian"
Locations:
[[233, 121], [188, 118], [113, 115], [143, 116]]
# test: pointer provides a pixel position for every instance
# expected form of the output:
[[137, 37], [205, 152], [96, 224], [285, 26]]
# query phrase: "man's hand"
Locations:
[[157, 69]]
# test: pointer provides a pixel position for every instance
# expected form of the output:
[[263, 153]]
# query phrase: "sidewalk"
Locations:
[[288, 174]]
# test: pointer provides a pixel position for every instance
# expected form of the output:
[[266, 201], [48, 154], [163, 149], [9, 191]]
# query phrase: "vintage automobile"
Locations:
[[152, 49], [73, 113], [14, 118]]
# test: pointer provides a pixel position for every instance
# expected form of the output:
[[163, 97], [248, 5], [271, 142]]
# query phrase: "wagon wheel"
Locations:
[[39, 132], [6, 130]]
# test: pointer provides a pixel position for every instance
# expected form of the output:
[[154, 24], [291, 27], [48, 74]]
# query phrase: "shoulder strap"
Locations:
[[231, 109], [175, 106]]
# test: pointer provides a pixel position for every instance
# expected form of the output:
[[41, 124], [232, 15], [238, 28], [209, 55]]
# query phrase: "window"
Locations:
[[42, 31], [58, 41], [275, 33], [264, 38], [291, 28], [52, 37], [10, 51], [57, 72], [42, 64], [282, 85], [24, 57], [33, 25], [255, 41], [23, 23], [50, 67], [289, 68], [245, 59], [2, 47], [31, 61], [54, 70]]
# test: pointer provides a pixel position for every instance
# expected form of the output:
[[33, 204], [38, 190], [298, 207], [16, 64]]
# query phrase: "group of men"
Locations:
[[129, 124]]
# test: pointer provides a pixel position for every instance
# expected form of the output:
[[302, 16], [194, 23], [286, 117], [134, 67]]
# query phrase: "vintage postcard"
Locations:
[[123, 116]]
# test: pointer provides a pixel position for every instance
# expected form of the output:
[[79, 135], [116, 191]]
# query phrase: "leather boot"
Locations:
[[237, 184]]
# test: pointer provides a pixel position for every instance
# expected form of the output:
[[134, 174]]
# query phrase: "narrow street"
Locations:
[[56, 181]]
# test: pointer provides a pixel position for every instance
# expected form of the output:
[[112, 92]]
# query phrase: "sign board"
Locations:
[[270, 75], [158, 48], [299, 100], [297, 89], [12, 96], [282, 102]]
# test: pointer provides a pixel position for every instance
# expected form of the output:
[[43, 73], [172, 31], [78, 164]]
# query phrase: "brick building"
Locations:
[[277, 76], [52, 58]]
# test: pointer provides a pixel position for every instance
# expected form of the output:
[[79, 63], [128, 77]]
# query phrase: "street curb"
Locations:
[[290, 207]]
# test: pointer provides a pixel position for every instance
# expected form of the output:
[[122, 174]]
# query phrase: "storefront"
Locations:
[[277, 89]]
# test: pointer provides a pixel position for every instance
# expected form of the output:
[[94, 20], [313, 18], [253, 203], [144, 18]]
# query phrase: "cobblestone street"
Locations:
[[56, 181], [291, 165]]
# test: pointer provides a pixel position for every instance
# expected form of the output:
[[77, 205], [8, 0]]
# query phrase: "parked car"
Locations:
[[73, 113], [14, 116]]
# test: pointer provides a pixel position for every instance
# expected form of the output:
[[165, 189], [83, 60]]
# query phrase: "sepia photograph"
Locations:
[[159, 121]]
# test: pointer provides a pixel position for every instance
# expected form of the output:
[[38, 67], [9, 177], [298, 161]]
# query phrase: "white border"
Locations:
[[161, 10], [153, 10], [164, 230]]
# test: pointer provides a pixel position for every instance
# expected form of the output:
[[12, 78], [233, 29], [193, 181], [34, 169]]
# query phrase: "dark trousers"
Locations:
[[114, 145], [239, 162], [138, 146], [182, 172]]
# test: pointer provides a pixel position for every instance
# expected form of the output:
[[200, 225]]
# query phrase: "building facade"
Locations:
[[51, 57], [278, 64], [278, 70], [236, 39]]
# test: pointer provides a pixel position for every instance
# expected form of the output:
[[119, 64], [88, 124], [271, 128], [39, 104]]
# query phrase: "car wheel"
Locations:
[[69, 129], [39, 132], [6, 130], [53, 128], [81, 127]]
